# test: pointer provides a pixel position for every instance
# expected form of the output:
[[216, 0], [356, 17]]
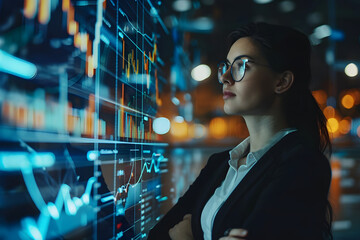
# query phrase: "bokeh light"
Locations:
[[320, 96], [161, 125], [199, 130], [329, 112], [351, 70], [332, 125], [218, 127], [181, 5], [347, 101], [201, 72], [345, 125], [179, 129]]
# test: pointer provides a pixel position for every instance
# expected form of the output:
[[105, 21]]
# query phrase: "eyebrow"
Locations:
[[240, 56]]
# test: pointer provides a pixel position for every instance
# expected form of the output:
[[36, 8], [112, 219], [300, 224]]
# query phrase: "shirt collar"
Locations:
[[243, 148]]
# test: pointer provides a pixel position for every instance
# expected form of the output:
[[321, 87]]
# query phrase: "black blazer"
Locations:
[[283, 196]]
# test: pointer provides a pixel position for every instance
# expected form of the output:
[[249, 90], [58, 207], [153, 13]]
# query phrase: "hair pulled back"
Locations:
[[287, 49]]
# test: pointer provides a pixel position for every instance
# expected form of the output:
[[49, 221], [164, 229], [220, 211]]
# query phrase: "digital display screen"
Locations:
[[79, 93]]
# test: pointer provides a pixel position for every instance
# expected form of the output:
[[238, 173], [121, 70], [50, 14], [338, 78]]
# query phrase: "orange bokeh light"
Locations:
[[332, 125], [329, 112], [179, 129], [30, 8], [218, 127], [320, 96], [345, 125], [348, 101]]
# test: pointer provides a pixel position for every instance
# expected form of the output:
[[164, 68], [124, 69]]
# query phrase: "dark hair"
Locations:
[[287, 49]]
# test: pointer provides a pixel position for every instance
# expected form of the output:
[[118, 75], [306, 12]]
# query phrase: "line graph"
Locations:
[[147, 37], [147, 166], [39, 229], [96, 94], [26, 162]]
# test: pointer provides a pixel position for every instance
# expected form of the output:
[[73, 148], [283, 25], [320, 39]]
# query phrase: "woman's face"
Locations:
[[254, 94]]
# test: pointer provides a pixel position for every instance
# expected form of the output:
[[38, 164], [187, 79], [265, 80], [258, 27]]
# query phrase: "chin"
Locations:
[[229, 110]]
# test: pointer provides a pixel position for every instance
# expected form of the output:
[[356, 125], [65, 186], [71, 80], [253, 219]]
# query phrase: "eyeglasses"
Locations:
[[237, 68]]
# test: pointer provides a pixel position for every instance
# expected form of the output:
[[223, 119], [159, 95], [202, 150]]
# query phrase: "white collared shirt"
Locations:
[[234, 176]]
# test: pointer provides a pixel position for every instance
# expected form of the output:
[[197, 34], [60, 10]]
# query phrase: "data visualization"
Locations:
[[79, 95]]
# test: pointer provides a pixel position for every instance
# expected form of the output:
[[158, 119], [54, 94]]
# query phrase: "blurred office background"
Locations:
[[183, 97], [194, 97]]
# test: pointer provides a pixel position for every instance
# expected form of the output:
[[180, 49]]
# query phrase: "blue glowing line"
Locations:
[[107, 198], [30, 226], [14, 161], [142, 52], [158, 17], [98, 24], [155, 164], [16, 66], [126, 107], [33, 189], [136, 29], [162, 199], [119, 235], [52, 210], [8, 134], [92, 155], [86, 196]]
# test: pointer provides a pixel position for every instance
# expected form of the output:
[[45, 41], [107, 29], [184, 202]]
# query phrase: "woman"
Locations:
[[274, 184]]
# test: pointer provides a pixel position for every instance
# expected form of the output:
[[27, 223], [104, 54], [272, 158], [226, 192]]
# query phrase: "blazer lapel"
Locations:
[[256, 172], [208, 190]]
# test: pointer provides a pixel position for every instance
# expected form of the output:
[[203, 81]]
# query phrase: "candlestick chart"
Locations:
[[79, 92]]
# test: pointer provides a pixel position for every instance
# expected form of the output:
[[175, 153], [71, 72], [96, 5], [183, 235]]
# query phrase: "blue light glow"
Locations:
[[78, 202], [92, 155], [43, 160], [107, 198], [35, 233], [53, 210], [161, 125], [13, 161], [16, 66]]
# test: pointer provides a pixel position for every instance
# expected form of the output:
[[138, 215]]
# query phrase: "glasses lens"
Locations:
[[221, 70], [238, 70]]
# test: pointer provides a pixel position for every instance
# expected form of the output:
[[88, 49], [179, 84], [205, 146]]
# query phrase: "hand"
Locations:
[[236, 234], [182, 230]]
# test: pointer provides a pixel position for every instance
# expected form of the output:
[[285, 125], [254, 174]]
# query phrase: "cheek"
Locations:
[[254, 91], [252, 96]]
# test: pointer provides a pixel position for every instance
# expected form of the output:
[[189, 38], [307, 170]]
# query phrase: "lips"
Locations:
[[228, 94]]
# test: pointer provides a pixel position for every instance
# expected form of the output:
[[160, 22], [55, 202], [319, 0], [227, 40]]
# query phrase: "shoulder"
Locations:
[[219, 157], [297, 156], [294, 145]]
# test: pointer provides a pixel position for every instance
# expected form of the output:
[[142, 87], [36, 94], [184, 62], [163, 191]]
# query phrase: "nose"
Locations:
[[226, 78]]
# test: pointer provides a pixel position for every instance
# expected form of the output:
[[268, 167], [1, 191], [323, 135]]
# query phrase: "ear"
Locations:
[[285, 82]]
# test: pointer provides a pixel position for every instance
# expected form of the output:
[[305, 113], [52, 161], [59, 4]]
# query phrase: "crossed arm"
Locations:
[[182, 231]]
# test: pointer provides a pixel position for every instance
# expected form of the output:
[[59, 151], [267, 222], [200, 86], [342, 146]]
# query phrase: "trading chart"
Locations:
[[79, 93]]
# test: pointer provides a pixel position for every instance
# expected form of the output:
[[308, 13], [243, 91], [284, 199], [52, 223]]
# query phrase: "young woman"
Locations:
[[274, 184]]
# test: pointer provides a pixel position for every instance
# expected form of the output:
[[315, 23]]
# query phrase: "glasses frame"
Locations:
[[245, 60]]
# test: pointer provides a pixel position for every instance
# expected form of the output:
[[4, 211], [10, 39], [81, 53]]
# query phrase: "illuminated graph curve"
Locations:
[[26, 162], [151, 39], [39, 229], [155, 164]]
